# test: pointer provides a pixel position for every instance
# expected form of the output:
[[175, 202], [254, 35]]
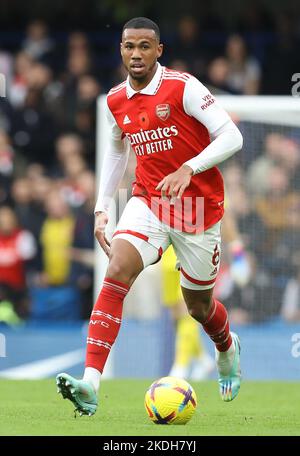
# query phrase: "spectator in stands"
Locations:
[[259, 300], [19, 82], [28, 196], [255, 18], [72, 169], [259, 169], [217, 76], [79, 63], [12, 163], [245, 303], [67, 146], [189, 46], [6, 163], [279, 208], [290, 159], [82, 251], [38, 43], [32, 117], [251, 227], [35, 171], [284, 258], [78, 42], [234, 177], [56, 239], [30, 218], [6, 65], [16, 247], [88, 89], [41, 186], [244, 71], [281, 57]]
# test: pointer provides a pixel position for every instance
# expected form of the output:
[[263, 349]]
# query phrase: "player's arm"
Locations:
[[113, 169], [226, 138]]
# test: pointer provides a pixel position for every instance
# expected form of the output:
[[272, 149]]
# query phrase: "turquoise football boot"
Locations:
[[79, 392], [229, 385]]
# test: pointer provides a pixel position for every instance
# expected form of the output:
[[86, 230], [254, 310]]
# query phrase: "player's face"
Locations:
[[140, 50]]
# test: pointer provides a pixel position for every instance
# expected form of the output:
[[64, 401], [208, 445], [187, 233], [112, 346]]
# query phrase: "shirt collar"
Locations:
[[151, 88]]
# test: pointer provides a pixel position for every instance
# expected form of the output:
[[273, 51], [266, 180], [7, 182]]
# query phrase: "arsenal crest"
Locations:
[[163, 111]]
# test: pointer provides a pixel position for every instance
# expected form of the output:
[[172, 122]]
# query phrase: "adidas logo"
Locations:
[[126, 120]]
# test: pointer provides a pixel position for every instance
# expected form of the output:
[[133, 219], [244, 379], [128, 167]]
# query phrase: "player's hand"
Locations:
[[175, 184], [101, 220]]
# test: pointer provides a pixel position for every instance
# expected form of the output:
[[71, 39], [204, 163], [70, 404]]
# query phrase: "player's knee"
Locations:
[[118, 270], [199, 309]]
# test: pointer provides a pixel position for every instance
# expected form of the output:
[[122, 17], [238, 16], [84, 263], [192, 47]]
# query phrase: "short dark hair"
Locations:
[[142, 23]]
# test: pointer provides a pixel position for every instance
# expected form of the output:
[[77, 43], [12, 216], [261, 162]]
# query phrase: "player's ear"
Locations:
[[160, 49]]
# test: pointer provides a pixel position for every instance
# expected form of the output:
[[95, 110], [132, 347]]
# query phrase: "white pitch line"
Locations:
[[45, 367]]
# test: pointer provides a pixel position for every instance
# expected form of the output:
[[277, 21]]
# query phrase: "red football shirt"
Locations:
[[168, 123]]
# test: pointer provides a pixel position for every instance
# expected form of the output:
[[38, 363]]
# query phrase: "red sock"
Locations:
[[217, 326], [105, 323]]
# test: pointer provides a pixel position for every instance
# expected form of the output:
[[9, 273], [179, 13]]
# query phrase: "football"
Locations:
[[170, 400]]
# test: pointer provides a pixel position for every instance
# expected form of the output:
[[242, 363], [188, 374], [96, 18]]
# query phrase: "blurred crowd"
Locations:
[[47, 168], [264, 196]]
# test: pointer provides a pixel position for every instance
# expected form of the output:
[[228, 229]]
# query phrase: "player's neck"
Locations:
[[138, 85]]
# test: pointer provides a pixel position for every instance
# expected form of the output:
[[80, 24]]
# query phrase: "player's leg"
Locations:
[[213, 317], [199, 257], [190, 357], [125, 264], [130, 253]]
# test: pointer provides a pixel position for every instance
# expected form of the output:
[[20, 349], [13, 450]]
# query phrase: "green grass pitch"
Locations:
[[262, 408]]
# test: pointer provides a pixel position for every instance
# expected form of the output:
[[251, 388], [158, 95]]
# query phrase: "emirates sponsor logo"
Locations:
[[144, 136], [163, 111]]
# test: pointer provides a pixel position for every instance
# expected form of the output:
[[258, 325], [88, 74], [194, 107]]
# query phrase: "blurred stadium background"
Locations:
[[58, 57]]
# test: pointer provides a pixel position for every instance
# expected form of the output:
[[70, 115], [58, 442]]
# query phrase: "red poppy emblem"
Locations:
[[144, 120]]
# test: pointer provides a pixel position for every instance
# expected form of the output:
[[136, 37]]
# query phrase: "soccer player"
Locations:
[[179, 134]]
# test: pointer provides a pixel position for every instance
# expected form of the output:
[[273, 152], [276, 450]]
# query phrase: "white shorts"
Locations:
[[198, 255]]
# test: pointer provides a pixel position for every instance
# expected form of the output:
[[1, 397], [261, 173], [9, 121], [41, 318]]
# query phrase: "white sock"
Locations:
[[92, 376], [225, 359]]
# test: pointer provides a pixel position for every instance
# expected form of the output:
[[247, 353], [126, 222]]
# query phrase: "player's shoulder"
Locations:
[[118, 89], [175, 75]]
